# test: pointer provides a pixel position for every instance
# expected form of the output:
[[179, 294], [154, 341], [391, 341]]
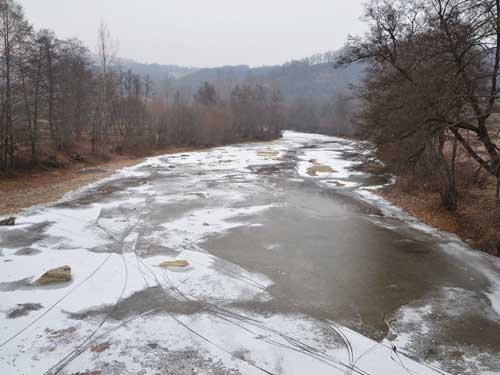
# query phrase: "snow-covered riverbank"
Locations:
[[123, 314]]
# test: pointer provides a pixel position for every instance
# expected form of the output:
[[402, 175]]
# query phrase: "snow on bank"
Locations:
[[421, 327], [414, 328], [172, 204], [102, 239], [200, 224], [331, 158], [233, 342], [337, 166]]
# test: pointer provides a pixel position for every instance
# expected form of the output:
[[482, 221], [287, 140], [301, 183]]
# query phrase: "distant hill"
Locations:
[[160, 74], [314, 77]]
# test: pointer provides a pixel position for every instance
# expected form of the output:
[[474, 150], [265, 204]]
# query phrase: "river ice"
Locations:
[[123, 314]]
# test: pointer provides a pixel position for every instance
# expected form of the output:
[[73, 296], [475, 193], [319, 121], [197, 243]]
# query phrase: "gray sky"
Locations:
[[205, 32]]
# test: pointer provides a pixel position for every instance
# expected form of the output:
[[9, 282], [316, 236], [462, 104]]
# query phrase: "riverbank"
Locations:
[[26, 188], [285, 261], [475, 221]]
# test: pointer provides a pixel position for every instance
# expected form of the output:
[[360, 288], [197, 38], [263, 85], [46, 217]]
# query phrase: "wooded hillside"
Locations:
[[317, 95]]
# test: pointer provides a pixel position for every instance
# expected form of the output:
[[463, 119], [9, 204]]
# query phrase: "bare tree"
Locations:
[[12, 28], [435, 66], [106, 51], [54, 99]]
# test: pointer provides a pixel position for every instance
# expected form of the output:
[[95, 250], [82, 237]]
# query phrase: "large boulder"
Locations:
[[56, 275]]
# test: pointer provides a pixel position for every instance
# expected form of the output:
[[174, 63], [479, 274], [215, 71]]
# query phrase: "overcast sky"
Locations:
[[205, 32]]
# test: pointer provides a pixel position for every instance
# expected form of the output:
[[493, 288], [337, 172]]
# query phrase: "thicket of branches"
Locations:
[[57, 97], [333, 117], [432, 88]]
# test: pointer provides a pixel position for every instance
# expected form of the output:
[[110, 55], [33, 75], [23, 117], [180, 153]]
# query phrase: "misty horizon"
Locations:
[[202, 35]]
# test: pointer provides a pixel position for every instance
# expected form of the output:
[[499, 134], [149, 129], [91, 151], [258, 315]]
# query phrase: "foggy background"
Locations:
[[205, 33]]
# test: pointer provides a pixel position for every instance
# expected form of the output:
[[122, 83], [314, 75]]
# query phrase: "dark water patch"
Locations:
[[334, 264], [372, 180], [10, 286], [108, 191], [24, 237], [29, 283], [115, 247], [271, 169], [350, 202], [23, 309], [27, 251], [141, 302], [350, 155]]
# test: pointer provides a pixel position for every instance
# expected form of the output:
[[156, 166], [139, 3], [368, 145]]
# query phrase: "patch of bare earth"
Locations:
[[476, 221], [23, 189]]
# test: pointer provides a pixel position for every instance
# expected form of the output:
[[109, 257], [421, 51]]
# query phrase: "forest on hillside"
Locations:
[[317, 95], [57, 98]]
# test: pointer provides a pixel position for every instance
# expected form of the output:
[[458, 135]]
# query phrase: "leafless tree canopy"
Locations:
[[433, 83], [55, 97]]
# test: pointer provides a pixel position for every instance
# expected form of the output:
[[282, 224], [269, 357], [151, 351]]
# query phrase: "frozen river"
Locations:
[[295, 267]]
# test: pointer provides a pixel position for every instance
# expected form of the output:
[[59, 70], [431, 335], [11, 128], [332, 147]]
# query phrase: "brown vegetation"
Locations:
[[58, 102], [475, 221], [431, 102]]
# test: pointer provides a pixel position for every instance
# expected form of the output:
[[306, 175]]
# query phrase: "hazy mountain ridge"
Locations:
[[314, 77], [157, 72]]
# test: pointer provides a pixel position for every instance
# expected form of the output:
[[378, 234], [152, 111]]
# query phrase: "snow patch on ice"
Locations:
[[197, 225]]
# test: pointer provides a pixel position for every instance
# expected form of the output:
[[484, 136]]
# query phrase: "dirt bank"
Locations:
[[23, 189], [477, 220]]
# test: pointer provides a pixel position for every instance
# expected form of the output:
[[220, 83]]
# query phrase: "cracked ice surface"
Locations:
[[116, 232]]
